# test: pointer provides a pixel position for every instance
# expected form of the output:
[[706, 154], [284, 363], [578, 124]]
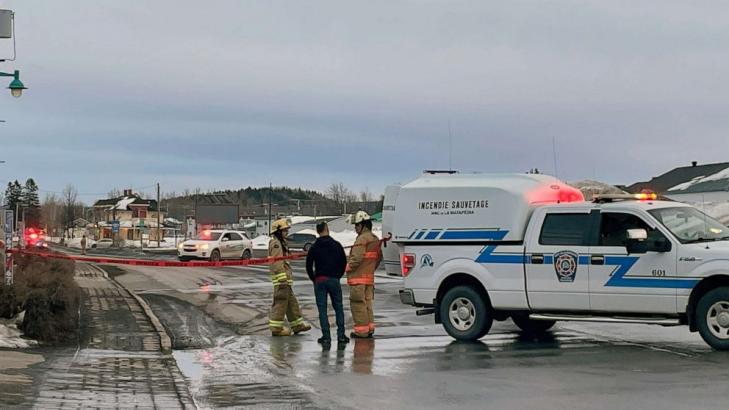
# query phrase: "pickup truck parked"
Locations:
[[478, 248]]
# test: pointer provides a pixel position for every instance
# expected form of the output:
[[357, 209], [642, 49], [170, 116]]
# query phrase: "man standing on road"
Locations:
[[285, 305], [83, 245], [364, 259], [325, 264]]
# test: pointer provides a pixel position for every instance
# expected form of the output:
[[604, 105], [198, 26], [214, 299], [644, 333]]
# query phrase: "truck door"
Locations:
[[557, 272], [641, 282]]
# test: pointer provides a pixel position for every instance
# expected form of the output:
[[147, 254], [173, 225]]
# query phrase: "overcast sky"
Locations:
[[232, 93]]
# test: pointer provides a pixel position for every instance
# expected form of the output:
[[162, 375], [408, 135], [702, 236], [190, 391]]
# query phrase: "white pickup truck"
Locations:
[[476, 248]]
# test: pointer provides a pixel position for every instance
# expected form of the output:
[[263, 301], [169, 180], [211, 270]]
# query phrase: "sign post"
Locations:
[[7, 236]]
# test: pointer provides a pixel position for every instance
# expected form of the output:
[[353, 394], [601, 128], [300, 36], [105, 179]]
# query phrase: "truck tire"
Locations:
[[246, 254], [712, 318], [465, 314], [532, 327]]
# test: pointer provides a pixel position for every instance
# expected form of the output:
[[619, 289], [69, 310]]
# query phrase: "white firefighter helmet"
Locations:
[[358, 217], [279, 225]]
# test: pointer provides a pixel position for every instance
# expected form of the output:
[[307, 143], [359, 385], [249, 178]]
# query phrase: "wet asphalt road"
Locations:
[[218, 317]]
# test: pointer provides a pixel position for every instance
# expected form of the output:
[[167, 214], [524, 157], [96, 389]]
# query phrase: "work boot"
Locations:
[[356, 336], [343, 340], [304, 327], [281, 331], [323, 340]]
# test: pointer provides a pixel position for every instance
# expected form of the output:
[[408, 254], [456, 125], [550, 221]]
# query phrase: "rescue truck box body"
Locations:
[[477, 248]]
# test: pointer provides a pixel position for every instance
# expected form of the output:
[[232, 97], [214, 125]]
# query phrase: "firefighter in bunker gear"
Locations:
[[364, 258], [285, 305]]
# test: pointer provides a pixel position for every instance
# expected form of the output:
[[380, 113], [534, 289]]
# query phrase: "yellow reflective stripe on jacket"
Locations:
[[279, 277]]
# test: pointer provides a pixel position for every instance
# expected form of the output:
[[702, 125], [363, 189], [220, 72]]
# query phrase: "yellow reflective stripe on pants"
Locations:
[[275, 323], [297, 322]]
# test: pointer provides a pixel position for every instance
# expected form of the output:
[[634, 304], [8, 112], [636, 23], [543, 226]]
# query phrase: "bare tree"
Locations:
[[69, 200], [114, 193], [339, 193], [365, 195], [51, 213]]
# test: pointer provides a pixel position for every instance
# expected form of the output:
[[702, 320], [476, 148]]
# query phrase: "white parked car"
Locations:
[[216, 245], [76, 243], [104, 243]]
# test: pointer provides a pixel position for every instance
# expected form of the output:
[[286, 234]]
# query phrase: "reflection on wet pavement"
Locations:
[[264, 371]]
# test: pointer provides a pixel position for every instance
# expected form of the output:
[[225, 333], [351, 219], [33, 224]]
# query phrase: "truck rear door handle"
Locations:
[[537, 259], [597, 260]]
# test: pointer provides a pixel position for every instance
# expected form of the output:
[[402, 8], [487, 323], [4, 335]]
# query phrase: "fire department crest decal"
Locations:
[[565, 264]]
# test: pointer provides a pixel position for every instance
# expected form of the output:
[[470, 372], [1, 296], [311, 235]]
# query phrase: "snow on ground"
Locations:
[[76, 243], [300, 219], [11, 336], [346, 237]]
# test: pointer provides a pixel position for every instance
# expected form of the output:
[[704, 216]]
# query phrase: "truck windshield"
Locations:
[[691, 225]]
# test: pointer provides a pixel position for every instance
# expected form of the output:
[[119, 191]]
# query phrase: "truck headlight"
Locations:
[[180, 246], [204, 246]]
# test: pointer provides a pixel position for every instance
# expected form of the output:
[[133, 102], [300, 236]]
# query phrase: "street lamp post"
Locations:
[[16, 86]]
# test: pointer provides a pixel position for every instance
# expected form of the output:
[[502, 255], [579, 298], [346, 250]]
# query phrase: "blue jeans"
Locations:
[[332, 288]]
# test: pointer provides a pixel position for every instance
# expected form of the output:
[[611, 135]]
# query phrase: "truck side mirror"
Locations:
[[636, 242], [662, 245], [226, 239], [637, 234]]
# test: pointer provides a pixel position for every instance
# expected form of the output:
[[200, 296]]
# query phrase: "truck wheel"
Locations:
[[532, 327], [712, 318], [246, 254], [215, 256], [465, 314]]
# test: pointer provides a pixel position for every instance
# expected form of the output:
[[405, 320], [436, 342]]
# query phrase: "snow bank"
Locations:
[[589, 188], [76, 243], [300, 219], [11, 336], [346, 237]]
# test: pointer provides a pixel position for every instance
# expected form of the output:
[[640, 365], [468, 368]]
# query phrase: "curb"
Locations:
[[164, 339]]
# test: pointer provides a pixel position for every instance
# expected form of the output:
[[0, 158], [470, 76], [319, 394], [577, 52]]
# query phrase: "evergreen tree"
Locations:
[[31, 203], [13, 196]]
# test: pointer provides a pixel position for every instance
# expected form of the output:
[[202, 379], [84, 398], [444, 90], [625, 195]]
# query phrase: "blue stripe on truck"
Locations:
[[461, 235], [623, 265]]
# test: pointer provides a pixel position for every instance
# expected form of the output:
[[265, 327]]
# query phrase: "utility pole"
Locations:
[[158, 210], [270, 205]]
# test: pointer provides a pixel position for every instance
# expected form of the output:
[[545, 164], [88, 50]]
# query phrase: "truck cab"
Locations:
[[533, 250]]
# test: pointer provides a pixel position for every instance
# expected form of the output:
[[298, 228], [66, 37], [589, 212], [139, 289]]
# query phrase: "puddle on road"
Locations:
[[242, 372]]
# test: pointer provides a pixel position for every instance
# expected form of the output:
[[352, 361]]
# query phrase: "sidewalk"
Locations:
[[119, 362]]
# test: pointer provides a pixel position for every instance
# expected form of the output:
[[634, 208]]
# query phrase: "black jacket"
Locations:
[[326, 258]]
